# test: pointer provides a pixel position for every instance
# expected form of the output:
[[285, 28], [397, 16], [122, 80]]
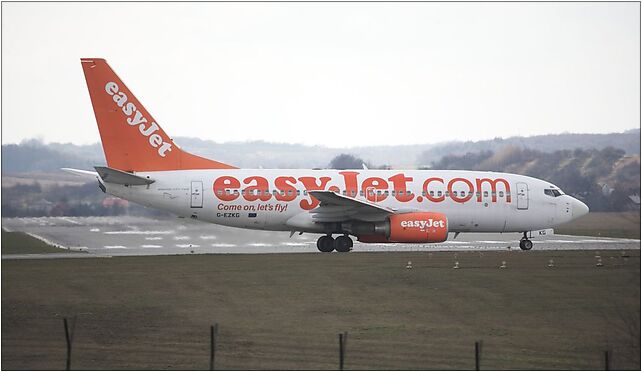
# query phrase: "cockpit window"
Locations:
[[552, 192]]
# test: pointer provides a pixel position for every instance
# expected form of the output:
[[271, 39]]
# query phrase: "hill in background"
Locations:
[[32, 155], [601, 169], [606, 179]]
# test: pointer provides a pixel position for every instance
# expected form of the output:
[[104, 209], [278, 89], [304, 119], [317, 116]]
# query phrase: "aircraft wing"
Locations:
[[336, 208]]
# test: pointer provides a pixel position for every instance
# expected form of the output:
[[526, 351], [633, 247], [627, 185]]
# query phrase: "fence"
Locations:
[[343, 340]]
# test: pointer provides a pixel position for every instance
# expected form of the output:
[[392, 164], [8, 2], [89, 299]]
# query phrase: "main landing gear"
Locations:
[[525, 243], [327, 243]]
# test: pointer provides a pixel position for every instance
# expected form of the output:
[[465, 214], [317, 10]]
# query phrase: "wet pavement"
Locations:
[[128, 235]]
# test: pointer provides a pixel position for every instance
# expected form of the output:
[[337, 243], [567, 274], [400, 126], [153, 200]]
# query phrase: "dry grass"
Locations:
[[16, 242], [284, 311], [607, 224]]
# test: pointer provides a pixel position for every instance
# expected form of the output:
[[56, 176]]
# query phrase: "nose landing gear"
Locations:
[[525, 244], [327, 243]]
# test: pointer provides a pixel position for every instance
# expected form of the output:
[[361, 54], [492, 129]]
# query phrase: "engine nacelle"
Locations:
[[415, 227]]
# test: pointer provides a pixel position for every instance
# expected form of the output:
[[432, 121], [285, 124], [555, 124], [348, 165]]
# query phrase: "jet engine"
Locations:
[[414, 227]]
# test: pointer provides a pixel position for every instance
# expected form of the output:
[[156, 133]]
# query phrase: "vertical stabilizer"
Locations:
[[131, 138]]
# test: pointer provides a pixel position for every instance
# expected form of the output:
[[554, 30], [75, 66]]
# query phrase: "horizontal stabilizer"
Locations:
[[80, 172], [112, 175]]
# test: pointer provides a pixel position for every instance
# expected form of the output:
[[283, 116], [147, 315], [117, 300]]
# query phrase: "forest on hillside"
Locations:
[[606, 179], [601, 169], [36, 156]]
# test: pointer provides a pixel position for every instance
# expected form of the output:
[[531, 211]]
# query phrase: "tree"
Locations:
[[346, 161]]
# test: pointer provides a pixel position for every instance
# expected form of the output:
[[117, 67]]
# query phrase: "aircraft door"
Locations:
[[522, 195], [197, 194]]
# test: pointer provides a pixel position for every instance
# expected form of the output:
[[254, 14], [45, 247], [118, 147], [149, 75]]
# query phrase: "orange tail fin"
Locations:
[[131, 138]]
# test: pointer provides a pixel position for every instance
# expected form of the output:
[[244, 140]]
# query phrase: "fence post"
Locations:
[[607, 367], [213, 332], [477, 352], [69, 337], [343, 340]]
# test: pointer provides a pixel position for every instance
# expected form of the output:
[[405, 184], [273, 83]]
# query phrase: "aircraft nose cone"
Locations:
[[579, 209]]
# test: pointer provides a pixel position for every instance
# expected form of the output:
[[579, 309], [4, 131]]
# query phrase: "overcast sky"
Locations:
[[327, 73]]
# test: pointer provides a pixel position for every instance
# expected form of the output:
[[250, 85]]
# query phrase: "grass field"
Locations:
[[606, 224], [16, 242], [284, 311]]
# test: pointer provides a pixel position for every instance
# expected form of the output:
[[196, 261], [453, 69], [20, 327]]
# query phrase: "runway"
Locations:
[[127, 235]]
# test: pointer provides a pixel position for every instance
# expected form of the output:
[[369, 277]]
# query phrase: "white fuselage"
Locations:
[[277, 199]]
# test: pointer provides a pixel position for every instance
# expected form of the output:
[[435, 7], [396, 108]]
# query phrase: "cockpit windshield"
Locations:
[[553, 192]]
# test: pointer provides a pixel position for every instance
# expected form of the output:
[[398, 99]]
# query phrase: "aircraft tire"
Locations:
[[343, 243], [325, 243], [525, 244]]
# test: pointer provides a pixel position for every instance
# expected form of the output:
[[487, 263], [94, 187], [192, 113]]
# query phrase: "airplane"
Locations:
[[145, 166]]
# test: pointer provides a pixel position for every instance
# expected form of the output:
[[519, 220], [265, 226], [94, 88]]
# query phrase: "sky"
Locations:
[[330, 74]]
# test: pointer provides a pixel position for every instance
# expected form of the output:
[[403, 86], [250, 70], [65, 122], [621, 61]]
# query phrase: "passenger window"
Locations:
[[385, 192], [501, 194], [305, 192], [485, 194], [432, 193], [446, 193], [438, 193], [289, 192], [394, 192], [219, 192], [298, 192]]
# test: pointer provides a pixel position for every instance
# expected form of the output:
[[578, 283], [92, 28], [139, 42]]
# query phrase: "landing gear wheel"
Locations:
[[525, 244], [325, 243], [343, 243]]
